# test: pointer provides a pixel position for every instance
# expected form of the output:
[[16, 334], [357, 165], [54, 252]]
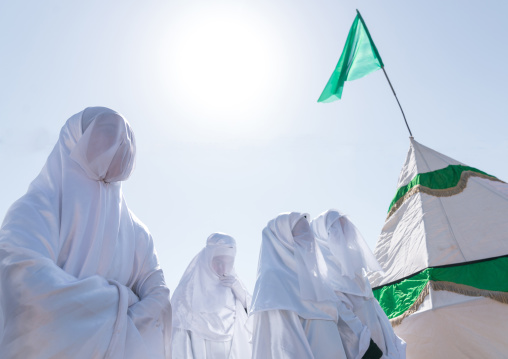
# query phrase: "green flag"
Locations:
[[359, 58]]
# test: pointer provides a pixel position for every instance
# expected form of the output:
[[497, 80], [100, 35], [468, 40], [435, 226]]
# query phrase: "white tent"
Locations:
[[444, 250]]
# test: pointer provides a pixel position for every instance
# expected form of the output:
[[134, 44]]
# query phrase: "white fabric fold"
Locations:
[[209, 305], [294, 308], [106, 150], [348, 258], [289, 269], [79, 276], [282, 334], [335, 231]]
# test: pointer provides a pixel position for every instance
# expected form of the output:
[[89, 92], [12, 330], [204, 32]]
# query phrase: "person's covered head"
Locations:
[[82, 217], [322, 224], [221, 252], [106, 149], [292, 274], [334, 230], [201, 303], [288, 226]]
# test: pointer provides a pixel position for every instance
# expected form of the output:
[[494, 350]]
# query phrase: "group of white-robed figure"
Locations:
[[80, 278]]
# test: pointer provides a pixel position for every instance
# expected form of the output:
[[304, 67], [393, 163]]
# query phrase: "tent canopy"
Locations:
[[444, 248]]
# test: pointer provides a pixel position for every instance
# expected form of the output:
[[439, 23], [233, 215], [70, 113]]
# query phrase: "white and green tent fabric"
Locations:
[[444, 252]]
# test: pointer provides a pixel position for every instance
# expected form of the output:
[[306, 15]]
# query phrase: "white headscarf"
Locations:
[[292, 273], [346, 252], [200, 302], [106, 150], [74, 215], [86, 220]]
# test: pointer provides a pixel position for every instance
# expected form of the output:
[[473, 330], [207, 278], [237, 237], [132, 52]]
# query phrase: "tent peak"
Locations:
[[421, 159]]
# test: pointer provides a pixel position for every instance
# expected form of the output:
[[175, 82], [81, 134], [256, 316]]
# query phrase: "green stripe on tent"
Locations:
[[396, 298], [444, 178]]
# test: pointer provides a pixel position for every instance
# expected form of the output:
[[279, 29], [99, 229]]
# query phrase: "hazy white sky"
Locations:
[[222, 99]]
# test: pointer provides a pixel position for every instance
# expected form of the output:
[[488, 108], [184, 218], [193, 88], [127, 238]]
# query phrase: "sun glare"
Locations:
[[222, 64]]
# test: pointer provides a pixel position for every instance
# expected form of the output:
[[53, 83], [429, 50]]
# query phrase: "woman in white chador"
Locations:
[[348, 258], [210, 306], [294, 308], [79, 276]]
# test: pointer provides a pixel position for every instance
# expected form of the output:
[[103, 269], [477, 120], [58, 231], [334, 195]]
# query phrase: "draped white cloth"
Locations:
[[282, 334], [294, 308], [284, 277], [210, 306], [345, 251], [79, 275]]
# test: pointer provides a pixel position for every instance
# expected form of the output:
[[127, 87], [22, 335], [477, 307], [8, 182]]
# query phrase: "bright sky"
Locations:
[[222, 99]]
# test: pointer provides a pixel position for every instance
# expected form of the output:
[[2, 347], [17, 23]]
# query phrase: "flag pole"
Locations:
[[360, 57], [383, 67], [401, 110]]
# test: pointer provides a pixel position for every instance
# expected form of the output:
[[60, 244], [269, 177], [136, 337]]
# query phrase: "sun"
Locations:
[[221, 60]]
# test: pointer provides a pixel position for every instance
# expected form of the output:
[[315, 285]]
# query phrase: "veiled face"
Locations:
[[221, 252], [287, 226], [223, 264], [105, 135], [302, 232], [336, 233], [301, 227], [106, 149], [110, 135]]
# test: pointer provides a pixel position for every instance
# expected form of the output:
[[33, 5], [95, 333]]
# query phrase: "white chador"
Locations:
[[79, 277], [348, 258], [294, 308], [210, 306]]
